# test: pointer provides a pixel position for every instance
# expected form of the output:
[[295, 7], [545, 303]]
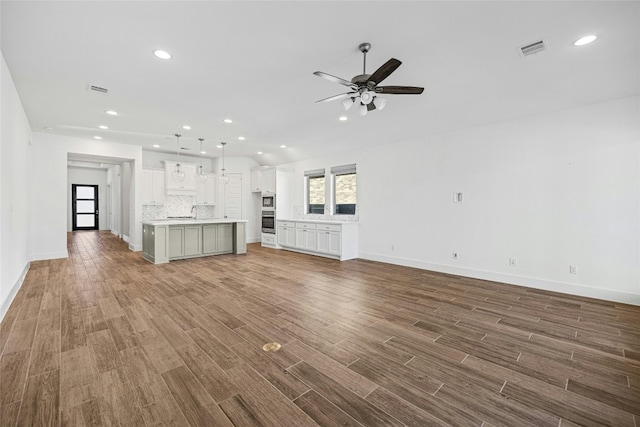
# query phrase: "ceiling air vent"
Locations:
[[533, 48], [98, 89]]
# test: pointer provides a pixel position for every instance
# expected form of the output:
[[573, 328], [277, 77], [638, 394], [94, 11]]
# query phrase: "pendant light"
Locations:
[[201, 175], [223, 177], [178, 173]]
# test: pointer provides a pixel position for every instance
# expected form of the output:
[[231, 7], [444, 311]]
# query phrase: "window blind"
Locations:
[[316, 173], [344, 169]]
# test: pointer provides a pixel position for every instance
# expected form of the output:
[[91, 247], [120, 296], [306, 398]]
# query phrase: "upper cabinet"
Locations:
[[268, 180], [263, 180], [206, 190], [153, 186], [186, 187]]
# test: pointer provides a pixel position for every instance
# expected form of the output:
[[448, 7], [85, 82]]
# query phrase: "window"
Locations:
[[315, 191], [344, 189]]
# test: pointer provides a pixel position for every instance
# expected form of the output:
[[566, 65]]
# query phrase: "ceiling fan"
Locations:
[[364, 87]]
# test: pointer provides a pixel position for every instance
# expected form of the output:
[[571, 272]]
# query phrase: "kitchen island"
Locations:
[[169, 239]]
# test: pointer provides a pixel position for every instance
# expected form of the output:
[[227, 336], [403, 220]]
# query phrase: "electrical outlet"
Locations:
[[573, 269], [513, 261], [455, 255]]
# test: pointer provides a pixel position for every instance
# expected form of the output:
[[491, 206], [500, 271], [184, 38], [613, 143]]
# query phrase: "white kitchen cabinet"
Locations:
[[306, 236], [153, 187], [268, 180], [186, 187], [338, 240], [256, 185], [206, 190], [286, 233], [263, 180], [329, 239]]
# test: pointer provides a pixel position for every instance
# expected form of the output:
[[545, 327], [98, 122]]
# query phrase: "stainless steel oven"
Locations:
[[269, 222]]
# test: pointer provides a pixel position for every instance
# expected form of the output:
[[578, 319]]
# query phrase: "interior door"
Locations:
[[84, 207], [233, 197]]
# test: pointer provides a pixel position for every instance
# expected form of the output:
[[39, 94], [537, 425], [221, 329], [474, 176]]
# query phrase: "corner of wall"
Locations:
[[4, 308]]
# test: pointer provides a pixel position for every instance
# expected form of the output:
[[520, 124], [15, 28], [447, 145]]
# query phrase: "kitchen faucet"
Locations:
[[193, 209]]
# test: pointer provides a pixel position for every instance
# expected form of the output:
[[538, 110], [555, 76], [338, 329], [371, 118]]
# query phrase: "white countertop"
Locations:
[[189, 221], [318, 221]]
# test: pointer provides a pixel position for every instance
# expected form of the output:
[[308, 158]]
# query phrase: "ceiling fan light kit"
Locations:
[[364, 87]]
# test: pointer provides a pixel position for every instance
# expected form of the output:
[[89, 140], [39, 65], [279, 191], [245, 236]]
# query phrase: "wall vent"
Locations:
[[98, 89], [533, 48]]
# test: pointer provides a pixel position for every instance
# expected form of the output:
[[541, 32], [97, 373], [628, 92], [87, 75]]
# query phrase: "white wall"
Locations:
[[15, 170], [552, 190], [88, 176], [49, 169]]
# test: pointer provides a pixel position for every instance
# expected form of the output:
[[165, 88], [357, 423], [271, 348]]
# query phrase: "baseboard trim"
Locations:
[[135, 248], [13, 292], [125, 238], [531, 282], [49, 255]]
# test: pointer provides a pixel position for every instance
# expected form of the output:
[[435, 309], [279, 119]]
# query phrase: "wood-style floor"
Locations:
[[106, 338]]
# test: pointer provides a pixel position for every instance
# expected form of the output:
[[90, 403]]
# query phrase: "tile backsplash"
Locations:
[[177, 206]]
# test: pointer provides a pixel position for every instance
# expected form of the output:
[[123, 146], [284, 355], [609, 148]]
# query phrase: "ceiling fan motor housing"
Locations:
[[360, 78]]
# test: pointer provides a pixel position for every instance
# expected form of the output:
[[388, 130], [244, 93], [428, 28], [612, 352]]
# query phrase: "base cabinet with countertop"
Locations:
[[330, 239], [164, 241], [217, 239]]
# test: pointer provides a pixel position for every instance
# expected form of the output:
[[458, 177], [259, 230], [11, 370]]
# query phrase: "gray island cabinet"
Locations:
[[167, 240]]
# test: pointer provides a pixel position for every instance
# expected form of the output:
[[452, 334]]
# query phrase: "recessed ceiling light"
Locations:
[[203, 152], [186, 127], [259, 152], [162, 54], [343, 118], [228, 121], [103, 127], [97, 137], [241, 138], [585, 40], [111, 112], [219, 146], [156, 146], [283, 146]]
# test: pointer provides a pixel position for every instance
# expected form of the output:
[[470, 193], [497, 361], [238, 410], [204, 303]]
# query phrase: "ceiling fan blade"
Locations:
[[384, 71], [336, 97], [400, 90], [334, 79]]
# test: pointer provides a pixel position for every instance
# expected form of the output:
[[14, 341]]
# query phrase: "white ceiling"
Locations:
[[253, 62]]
